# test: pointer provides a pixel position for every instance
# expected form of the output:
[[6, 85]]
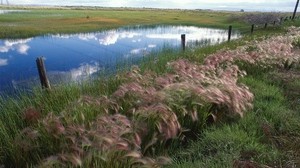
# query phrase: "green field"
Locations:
[[71, 20], [230, 105]]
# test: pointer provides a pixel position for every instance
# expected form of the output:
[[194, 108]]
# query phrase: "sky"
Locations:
[[247, 5]]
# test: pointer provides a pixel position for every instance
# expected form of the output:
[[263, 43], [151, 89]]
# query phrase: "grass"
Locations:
[[267, 136], [256, 137], [247, 139], [131, 119], [41, 21]]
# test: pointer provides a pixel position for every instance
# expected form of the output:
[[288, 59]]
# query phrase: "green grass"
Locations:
[[42, 21], [267, 135]]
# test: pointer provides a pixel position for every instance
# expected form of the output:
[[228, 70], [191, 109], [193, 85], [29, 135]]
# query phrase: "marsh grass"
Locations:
[[253, 140], [52, 119], [45, 21], [268, 134], [132, 118]]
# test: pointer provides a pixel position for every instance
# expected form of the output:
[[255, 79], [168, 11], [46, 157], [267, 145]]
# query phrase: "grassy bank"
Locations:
[[268, 135], [192, 109], [71, 20]]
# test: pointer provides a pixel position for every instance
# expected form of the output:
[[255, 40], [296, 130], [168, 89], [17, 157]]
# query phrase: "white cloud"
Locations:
[[152, 45], [20, 46], [62, 36], [111, 38], [107, 38], [77, 75], [4, 49], [192, 34], [23, 48], [3, 62], [84, 71], [87, 37], [138, 51], [136, 41]]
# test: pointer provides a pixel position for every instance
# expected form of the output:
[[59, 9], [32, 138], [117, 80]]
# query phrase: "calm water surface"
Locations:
[[78, 56]]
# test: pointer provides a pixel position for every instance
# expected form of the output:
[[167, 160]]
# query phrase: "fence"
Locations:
[[243, 30]]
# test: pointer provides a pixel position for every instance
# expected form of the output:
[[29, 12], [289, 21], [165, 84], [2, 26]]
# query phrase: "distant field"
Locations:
[[44, 20]]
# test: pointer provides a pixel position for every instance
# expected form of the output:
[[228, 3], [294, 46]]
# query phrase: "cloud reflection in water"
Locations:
[[78, 75], [20, 46], [72, 57], [3, 62]]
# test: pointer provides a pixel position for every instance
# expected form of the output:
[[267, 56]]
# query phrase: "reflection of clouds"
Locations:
[[105, 38], [84, 71], [138, 51], [111, 37], [152, 45], [23, 48], [192, 34], [62, 36], [20, 45], [10, 11], [163, 36], [138, 40], [3, 62], [78, 75], [87, 37], [4, 49]]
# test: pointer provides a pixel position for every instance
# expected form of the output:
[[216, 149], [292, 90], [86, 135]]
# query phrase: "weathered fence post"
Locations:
[[274, 23], [266, 25], [183, 42], [229, 33], [42, 73], [295, 10], [252, 28]]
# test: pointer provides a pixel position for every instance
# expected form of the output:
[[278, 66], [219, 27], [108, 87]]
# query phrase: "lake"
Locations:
[[76, 57]]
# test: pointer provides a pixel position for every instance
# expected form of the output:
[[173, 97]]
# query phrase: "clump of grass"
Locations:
[[255, 140]]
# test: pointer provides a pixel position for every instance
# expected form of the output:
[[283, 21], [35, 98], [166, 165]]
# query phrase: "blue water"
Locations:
[[75, 57]]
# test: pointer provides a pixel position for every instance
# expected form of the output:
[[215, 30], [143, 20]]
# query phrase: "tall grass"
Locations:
[[267, 135], [129, 119]]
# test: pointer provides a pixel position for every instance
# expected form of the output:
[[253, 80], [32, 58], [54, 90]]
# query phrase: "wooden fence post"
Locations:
[[295, 10], [229, 33], [252, 28], [183, 42], [42, 73], [274, 23], [266, 25]]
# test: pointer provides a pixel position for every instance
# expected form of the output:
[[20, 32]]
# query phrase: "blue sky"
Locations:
[[259, 5]]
